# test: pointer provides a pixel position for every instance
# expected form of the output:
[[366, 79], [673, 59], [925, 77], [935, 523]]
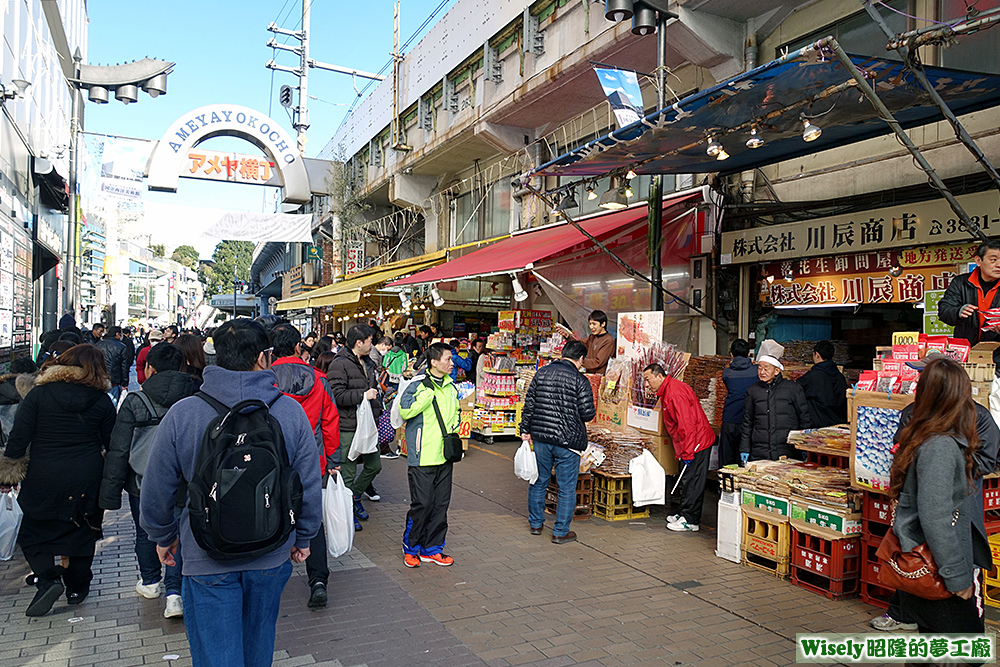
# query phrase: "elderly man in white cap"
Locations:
[[773, 407]]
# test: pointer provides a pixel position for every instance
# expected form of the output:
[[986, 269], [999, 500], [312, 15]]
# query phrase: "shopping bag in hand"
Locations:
[[366, 436], [386, 433], [525, 465], [338, 516], [10, 524], [649, 480]]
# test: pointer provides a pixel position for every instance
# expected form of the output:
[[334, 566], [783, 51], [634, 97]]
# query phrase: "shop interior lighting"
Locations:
[[629, 192], [591, 193], [631, 174], [789, 275], [714, 147], [519, 293], [754, 141], [723, 155], [770, 279], [810, 132], [614, 199], [436, 295], [896, 271]]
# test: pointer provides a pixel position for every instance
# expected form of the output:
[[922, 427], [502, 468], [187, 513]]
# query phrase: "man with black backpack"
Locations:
[[248, 456], [126, 461], [430, 407]]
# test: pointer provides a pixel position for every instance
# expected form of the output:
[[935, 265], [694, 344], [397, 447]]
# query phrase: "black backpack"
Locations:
[[244, 497]]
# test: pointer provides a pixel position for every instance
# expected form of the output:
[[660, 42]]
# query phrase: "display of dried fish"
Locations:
[[830, 440], [620, 447], [786, 477]]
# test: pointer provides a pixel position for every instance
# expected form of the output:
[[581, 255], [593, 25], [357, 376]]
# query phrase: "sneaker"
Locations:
[[372, 494], [887, 623], [536, 531], [440, 559], [357, 525], [359, 510], [48, 593], [674, 518], [564, 539], [681, 525], [390, 455], [410, 560], [175, 607], [149, 591], [317, 595]]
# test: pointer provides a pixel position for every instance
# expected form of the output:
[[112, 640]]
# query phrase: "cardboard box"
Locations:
[[663, 450], [982, 353], [766, 503], [647, 420], [612, 414], [829, 520]]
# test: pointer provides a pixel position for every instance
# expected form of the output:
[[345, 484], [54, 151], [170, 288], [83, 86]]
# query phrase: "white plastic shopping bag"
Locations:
[[525, 465], [10, 524], [649, 480], [394, 417], [366, 436], [338, 516]]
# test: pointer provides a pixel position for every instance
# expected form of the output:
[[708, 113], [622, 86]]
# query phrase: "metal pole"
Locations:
[[656, 194], [72, 284], [234, 288], [904, 138], [913, 64], [302, 114]]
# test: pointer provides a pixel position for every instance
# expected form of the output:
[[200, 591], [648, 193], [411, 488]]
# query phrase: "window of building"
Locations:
[[978, 52], [858, 34], [481, 215]]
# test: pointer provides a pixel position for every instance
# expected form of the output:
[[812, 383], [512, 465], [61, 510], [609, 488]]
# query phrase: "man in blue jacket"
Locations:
[[230, 607], [738, 376]]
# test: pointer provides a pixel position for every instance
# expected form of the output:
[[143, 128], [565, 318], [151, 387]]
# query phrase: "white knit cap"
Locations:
[[770, 360]]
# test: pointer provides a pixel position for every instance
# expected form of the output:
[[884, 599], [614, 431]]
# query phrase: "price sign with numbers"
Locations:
[[465, 427]]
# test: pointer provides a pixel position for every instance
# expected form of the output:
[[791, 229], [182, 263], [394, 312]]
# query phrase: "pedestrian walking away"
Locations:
[[117, 360], [692, 435], [352, 381], [558, 404], [307, 385], [66, 420], [737, 376], [825, 388], [427, 404], [125, 465], [231, 602]]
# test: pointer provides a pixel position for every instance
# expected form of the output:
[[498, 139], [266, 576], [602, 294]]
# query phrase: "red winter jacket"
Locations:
[[309, 387], [140, 364], [684, 419]]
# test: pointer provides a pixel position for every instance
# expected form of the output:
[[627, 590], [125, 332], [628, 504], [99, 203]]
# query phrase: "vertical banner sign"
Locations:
[[355, 257], [637, 332], [622, 88]]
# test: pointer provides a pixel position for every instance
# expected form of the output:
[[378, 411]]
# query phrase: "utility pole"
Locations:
[[300, 118], [397, 59], [235, 283]]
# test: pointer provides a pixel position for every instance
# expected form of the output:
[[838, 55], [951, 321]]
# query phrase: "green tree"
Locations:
[[158, 250], [227, 256], [186, 255]]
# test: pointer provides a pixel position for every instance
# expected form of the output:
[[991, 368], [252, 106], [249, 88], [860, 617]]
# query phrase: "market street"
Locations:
[[626, 593]]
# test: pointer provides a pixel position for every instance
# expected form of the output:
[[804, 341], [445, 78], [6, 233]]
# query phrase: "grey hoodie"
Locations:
[[174, 452]]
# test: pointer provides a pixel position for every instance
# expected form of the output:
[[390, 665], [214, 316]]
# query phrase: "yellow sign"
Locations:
[[232, 167], [465, 427]]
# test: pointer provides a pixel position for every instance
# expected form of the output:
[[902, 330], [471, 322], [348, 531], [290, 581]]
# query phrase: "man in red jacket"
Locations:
[[693, 438], [309, 387]]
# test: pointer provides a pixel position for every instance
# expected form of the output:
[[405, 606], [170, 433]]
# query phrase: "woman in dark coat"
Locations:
[[67, 421], [772, 407]]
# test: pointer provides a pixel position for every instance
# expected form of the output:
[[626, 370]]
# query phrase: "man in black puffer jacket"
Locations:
[[773, 407], [116, 358], [825, 388], [557, 407]]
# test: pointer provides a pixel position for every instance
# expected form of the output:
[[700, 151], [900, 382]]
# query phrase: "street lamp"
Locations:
[[99, 80], [649, 16]]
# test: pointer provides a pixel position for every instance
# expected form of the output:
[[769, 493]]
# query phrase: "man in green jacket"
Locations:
[[429, 474]]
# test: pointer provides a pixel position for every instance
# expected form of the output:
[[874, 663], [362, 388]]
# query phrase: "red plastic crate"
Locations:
[[834, 589], [991, 521], [991, 493], [831, 460], [876, 509], [875, 595], [833, 559]]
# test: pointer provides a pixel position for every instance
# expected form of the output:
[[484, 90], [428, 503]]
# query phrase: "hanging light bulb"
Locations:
[[896, 271], [631, 174], [591, 194], [723, 155], [614, 198], [629, 192], [405, 300], [810, 132], [519, 293], [770, 279], [436, 295], [714, 147], [754, 141], [789, 275]]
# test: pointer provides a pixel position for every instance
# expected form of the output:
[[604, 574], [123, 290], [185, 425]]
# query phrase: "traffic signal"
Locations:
[[285, 96]]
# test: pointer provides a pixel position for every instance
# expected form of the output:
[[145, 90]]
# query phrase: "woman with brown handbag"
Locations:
[[938, 511]]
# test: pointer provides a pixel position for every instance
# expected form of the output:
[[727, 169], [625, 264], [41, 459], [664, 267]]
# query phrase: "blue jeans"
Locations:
[[230, 618], [567, 467], [149, 562]]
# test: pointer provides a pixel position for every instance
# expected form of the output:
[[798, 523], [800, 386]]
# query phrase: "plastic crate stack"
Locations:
[[613, 498], [991, 519], [584, 496], [766, 541], [829, 567], [876, 520]]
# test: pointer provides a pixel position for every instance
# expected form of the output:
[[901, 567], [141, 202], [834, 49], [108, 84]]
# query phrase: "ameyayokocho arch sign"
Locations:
[[227, 120]]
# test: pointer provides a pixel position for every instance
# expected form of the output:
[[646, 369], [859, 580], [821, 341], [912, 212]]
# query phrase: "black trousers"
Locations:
[[693, 487], [427, 520], [729, 444], [316, 566], [896, 610], [77, 575]]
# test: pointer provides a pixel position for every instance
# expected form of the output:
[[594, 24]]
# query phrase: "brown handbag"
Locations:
[[913, 572]]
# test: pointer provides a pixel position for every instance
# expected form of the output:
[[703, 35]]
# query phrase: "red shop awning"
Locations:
[[523, 249]]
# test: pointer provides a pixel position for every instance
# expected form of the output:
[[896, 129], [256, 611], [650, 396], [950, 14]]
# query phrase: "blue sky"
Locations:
[[220, 50]]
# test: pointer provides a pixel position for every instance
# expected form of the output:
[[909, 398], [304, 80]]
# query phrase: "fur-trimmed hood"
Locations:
[[25, 382], [71, 374], [12, 471]]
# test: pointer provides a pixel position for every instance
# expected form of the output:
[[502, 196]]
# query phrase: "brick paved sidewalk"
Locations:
[[626, 593]]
